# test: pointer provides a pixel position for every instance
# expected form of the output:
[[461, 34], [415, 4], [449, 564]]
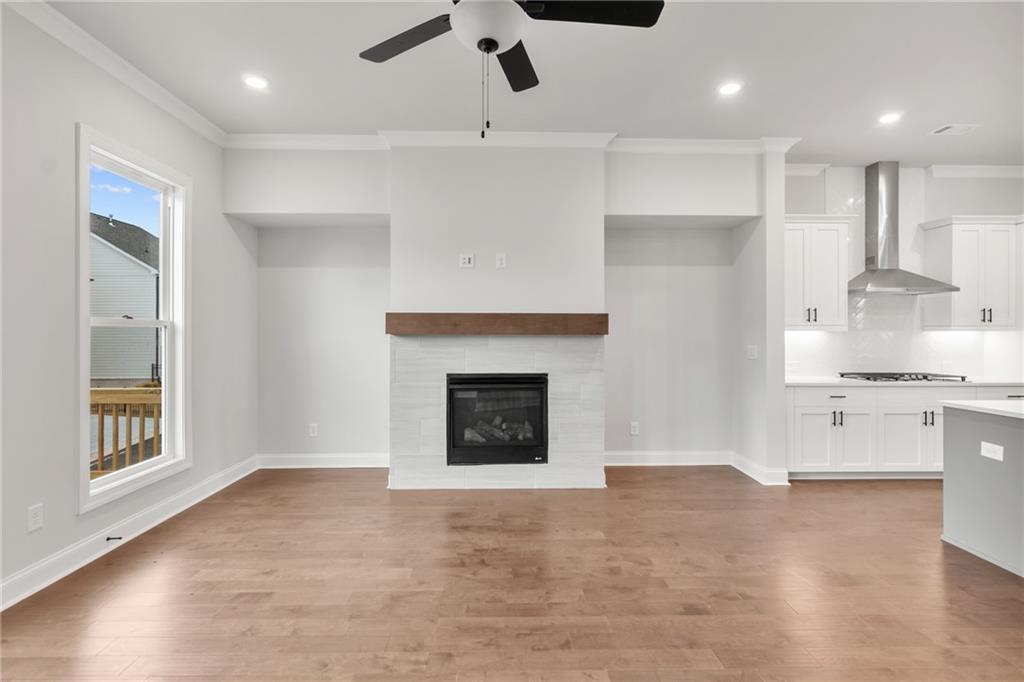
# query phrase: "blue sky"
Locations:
[[128, 201]]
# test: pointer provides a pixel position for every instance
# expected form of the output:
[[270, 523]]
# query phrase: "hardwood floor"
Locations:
[[670, 574]]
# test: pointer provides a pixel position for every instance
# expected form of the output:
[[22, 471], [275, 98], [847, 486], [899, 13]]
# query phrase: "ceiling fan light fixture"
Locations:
[[477, 22]]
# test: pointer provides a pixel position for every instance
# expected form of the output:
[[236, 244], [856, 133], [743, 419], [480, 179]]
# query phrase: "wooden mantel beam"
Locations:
[[496, 324]]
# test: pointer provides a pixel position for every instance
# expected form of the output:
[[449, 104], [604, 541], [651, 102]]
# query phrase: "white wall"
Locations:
[[758, 347], [682, 184], [671, 303], [323, 293], [543, 208], [317, 182], [47, 89], [885, 331]]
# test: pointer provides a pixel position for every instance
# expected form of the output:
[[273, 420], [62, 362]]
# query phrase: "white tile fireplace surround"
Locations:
[[419, 369]]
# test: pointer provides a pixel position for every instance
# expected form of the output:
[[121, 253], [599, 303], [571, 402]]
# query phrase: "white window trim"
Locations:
[[178, 403]]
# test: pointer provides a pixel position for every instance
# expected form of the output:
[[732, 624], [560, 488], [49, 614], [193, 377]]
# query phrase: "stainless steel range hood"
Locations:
[[882, 239]]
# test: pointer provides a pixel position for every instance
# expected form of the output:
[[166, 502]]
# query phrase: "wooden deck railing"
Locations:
[[138, 404]]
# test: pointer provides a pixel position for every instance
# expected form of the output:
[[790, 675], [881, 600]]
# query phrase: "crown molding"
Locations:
[[301, 142], [805, 170], [67, 32], [989, 172], [973, 220], [460, 138], [778, 144]]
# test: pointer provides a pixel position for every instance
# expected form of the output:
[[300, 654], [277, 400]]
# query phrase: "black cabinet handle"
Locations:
[[833, 417], [840, 417], [982, 314], [809, 314], [933, 417], [837, 396], [989, 314], [816, 315], [925, 413], [1014, 395]]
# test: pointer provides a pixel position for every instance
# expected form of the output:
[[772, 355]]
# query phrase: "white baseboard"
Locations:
[[49, 570], [1016, 570], [340, 460], [864, 475], [759, 473], [664, 458]]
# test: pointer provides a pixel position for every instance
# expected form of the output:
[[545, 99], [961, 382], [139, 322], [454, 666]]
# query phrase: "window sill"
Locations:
[[97, 493]]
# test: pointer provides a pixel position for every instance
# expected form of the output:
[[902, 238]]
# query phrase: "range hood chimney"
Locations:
[[882, 274]]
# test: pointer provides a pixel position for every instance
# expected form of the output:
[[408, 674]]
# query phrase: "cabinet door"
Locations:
[[967, 255], [813, 440], [855, 449], [935, 441], [902, 439], [827, 268], [795, 274], [998, 274]]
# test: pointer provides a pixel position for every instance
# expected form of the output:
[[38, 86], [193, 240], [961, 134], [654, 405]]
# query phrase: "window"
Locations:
[[132, 309]]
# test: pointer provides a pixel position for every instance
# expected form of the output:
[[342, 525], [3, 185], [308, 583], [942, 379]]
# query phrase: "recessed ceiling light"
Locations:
[[255, 81], [890, 118], [730, 88]]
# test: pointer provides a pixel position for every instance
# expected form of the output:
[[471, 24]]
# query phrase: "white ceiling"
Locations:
[[822, 72]]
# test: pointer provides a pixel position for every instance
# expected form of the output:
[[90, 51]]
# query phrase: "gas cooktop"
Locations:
[[901, 376]]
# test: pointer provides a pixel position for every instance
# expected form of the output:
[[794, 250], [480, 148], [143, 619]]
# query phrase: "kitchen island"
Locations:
[[983, 489]]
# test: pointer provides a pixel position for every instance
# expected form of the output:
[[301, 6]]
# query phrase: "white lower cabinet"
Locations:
[[904, 438], [829, 439], [894, 429]]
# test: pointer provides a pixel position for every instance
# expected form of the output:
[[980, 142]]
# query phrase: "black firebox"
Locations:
[[497, 419]]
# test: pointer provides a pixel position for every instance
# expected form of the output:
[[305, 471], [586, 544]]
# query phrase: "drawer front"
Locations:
[[923, 395], [838, 396], [1000, 392]]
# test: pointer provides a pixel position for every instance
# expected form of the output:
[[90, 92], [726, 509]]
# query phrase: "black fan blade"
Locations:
[[518, 68], [417, 35], [643, 13]]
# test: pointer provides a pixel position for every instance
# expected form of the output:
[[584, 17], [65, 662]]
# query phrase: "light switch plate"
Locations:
[[992, 451], [466, 260], [499, 260], [314, 430], [751, 352], [634, 428]]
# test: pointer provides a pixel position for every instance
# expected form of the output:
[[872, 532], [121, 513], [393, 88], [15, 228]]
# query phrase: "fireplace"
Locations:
[[497, 419]]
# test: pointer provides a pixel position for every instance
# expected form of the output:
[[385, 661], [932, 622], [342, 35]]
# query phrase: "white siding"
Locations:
[[121, 285]]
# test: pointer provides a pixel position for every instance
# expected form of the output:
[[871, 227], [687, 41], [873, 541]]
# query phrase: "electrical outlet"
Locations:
[[35, 517], [499, 260], [314, 430], [992, 451], [751, 352], [634, 428], [466, 260]]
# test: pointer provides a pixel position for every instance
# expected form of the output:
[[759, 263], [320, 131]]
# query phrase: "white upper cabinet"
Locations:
[[816, 272], [980, 255]]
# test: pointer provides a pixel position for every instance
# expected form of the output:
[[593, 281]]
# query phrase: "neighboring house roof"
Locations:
[[132, 239]]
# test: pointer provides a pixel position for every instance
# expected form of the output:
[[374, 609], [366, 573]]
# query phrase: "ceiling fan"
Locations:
[[497, 26]]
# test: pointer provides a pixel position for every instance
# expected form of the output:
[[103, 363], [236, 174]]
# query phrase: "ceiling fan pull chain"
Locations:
[[488, 58]]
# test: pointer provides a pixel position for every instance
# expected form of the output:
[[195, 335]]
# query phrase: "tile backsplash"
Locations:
[[885, 334]]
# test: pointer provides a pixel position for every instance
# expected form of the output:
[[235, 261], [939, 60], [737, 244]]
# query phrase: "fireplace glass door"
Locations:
[[497, 418]]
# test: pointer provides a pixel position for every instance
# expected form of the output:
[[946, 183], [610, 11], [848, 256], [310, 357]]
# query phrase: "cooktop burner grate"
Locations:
[[901, 376]]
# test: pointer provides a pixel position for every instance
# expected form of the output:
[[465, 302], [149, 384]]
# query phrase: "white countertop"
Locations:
[[1002, 408], [838, 381]]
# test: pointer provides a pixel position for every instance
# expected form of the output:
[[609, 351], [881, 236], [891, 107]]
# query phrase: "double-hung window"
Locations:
[[132, 226]]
